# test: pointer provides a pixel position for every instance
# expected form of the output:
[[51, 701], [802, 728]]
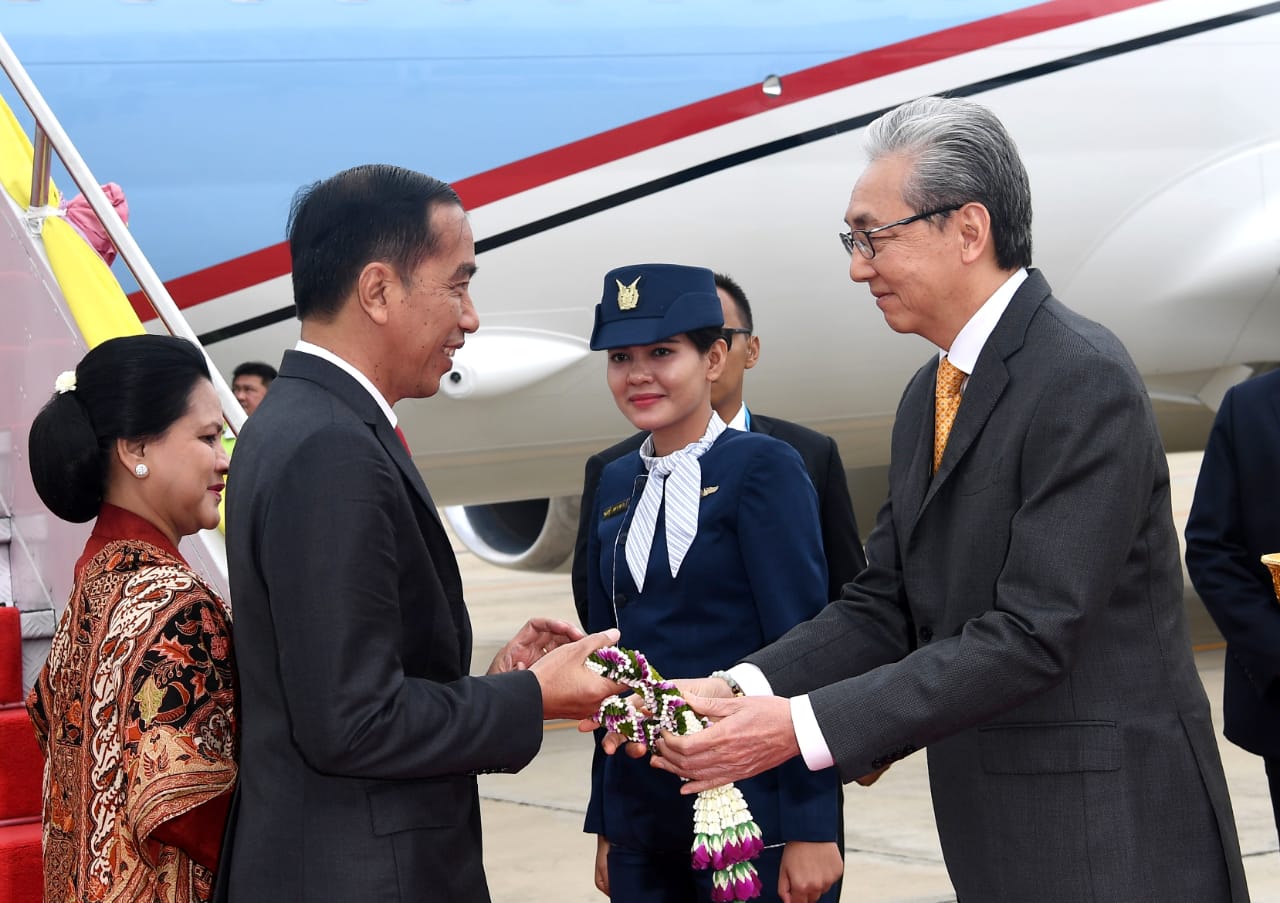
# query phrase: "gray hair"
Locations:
[[962, 154]]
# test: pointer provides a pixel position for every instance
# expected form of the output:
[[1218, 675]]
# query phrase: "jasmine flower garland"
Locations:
[[725, 837]]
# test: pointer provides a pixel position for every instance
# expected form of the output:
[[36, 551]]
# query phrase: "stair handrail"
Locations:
[[49, 134]]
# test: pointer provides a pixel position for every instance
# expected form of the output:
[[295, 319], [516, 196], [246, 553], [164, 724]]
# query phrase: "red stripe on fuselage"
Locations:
[[644, 134]]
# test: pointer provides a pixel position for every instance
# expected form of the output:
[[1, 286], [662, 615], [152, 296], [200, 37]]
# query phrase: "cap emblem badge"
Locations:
[[628, 295]]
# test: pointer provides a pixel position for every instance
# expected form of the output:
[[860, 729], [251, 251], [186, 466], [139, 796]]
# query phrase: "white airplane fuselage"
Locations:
[[584, 137]]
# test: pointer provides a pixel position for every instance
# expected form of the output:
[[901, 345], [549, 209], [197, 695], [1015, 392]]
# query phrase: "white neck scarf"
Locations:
[[678, 477]]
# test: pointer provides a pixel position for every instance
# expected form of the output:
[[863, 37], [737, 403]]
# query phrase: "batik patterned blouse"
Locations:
[[135, 711]]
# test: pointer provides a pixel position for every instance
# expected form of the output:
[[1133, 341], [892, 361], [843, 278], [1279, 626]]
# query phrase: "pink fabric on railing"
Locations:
[[80, 215]]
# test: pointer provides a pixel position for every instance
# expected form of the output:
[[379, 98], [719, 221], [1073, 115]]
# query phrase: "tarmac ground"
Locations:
[[535, 851]]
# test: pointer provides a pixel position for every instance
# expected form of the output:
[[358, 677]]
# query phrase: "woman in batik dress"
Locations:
[[135, 708]]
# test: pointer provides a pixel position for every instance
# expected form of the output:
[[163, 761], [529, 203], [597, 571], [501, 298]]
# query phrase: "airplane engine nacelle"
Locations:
[[529, 535], [503, 360]]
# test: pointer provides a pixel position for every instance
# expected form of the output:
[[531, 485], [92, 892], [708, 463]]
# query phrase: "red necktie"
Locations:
[[404, 441]]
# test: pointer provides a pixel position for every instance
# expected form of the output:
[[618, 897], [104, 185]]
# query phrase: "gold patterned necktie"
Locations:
[[946, 401]]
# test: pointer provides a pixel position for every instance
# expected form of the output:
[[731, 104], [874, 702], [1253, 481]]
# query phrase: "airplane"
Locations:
[[582, 136]]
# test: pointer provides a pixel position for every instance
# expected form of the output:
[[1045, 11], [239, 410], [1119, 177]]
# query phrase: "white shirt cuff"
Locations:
[[751, 679], [813, 746]]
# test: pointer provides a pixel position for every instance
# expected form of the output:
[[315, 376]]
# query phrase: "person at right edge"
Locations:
[[1021, 611], [1234, 521]]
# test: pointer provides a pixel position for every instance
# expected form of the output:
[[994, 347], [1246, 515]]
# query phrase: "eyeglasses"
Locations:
[[861, 238], [730, 331]]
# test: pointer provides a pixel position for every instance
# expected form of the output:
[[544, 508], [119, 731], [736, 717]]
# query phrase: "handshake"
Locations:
[[556, 652], [746, 735]]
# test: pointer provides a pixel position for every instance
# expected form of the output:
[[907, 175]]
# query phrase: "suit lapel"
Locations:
[[395, 448], [989, 379], [918, 408], [984, 389], [344, 387]]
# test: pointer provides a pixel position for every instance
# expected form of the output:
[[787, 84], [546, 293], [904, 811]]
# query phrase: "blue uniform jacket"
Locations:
[[1234, 520], [755, 569]]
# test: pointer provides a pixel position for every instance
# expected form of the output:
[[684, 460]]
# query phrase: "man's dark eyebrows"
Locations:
[[464, 271]]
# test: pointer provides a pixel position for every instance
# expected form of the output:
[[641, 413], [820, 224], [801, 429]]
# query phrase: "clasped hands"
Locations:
[[556, 652], [748, 735]]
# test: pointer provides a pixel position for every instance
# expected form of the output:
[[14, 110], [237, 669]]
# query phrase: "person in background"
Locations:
[[250, 383], [364, 729], [703, 546], [135, 708], [1234, 521], [1021, 612], [841, 544]]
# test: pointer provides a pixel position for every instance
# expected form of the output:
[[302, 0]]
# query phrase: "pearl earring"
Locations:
[[141, 471]]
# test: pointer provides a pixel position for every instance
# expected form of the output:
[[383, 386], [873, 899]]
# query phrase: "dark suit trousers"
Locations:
[[1273, 781]]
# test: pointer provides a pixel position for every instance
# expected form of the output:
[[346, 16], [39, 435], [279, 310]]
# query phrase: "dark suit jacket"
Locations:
[[361, 728], [754, 570], [1234, 520], [841, 543], [1021, 616]]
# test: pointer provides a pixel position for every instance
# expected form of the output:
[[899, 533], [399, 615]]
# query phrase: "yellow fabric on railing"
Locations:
[[93, 294], [16, 156]]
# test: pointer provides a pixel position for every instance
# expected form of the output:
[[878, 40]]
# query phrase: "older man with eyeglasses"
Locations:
[[1021, 614]]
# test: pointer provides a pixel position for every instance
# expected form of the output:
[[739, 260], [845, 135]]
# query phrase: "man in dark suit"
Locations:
[[1021, 613], [1234, 521], [841, 544], [362, 732]]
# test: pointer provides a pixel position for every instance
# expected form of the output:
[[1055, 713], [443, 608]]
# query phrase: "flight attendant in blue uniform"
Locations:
[[705, 546]]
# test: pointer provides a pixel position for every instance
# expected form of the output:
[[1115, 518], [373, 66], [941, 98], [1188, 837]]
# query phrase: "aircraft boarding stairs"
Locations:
[[58, 299]]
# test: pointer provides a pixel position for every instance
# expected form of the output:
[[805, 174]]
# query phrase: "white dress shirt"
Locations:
[[739, 420], [963, 353]]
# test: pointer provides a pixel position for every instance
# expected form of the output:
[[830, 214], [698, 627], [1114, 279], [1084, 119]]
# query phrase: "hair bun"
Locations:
[[129, 387], [66, 462]]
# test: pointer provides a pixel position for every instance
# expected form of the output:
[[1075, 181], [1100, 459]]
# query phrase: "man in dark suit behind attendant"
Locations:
[[841, 544], [362, 729], [1234, 521], [1021, 612]]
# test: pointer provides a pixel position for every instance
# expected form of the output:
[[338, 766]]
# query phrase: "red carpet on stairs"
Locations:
[[10, 654], [21, 880], [21, 765], [21, 772]]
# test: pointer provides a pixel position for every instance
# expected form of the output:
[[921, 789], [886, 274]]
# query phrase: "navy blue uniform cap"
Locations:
[[648, 302]]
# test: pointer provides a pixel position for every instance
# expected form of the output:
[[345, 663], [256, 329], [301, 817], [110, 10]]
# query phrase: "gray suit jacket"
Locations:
[[361, 729], [1021, 616]]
